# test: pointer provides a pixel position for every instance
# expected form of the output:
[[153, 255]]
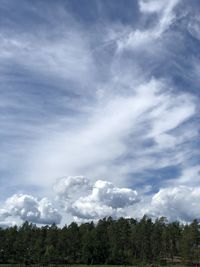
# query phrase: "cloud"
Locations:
[[189, 175], [105, 199], [83, 211], [46, 73], [139, 39], [28, 208], [60, 53], [176, 203], [194, 27], [58, 58], [156, 6], [100, 146], [71, 186], [105, 192], [6, 224]]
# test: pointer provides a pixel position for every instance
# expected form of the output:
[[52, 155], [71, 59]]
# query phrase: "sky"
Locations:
[[99, 110]]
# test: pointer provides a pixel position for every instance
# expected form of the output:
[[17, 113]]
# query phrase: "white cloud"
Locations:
[[28, 208], [189, 175], [69, 187], [140, 39], [66, 58], [176, 203], [92, 149], [194, 27], [83, 210], [104, 200], [105, 192], [62, 52], [156, 6], [172, 113]]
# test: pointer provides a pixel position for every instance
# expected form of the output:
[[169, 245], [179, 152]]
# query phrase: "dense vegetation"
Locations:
[[122, 241]]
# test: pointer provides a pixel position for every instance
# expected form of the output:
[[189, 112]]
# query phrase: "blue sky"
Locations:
[[99, 110]]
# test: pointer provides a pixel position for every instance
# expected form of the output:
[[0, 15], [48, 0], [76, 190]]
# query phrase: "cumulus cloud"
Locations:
[[69, 187], [107, 193], [84, 210], [176, 203], [105, 199], [29, 208]]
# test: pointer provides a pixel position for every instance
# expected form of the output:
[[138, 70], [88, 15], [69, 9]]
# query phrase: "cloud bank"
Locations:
[[102, 199], [176, 203], [29, 208]]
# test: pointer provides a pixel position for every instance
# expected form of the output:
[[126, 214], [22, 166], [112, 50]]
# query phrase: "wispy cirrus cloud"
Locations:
[[149, 116], [145, 37]]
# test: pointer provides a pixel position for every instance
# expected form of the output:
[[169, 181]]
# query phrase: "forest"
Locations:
[[121, 242]]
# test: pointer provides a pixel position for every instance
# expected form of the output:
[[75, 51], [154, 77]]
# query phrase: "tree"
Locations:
[[121, 241], [190, 243], [174, 234], [101, 242], [87, 242], [73, 243], [143, 239], [157, 245]]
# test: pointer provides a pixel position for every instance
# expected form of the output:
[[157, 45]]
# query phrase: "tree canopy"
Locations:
[[121, 241]]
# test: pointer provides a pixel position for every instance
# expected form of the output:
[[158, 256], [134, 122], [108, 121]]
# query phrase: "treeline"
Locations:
[[122, 241]]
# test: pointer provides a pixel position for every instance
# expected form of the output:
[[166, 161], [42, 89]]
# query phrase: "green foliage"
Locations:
[[122, 242]]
